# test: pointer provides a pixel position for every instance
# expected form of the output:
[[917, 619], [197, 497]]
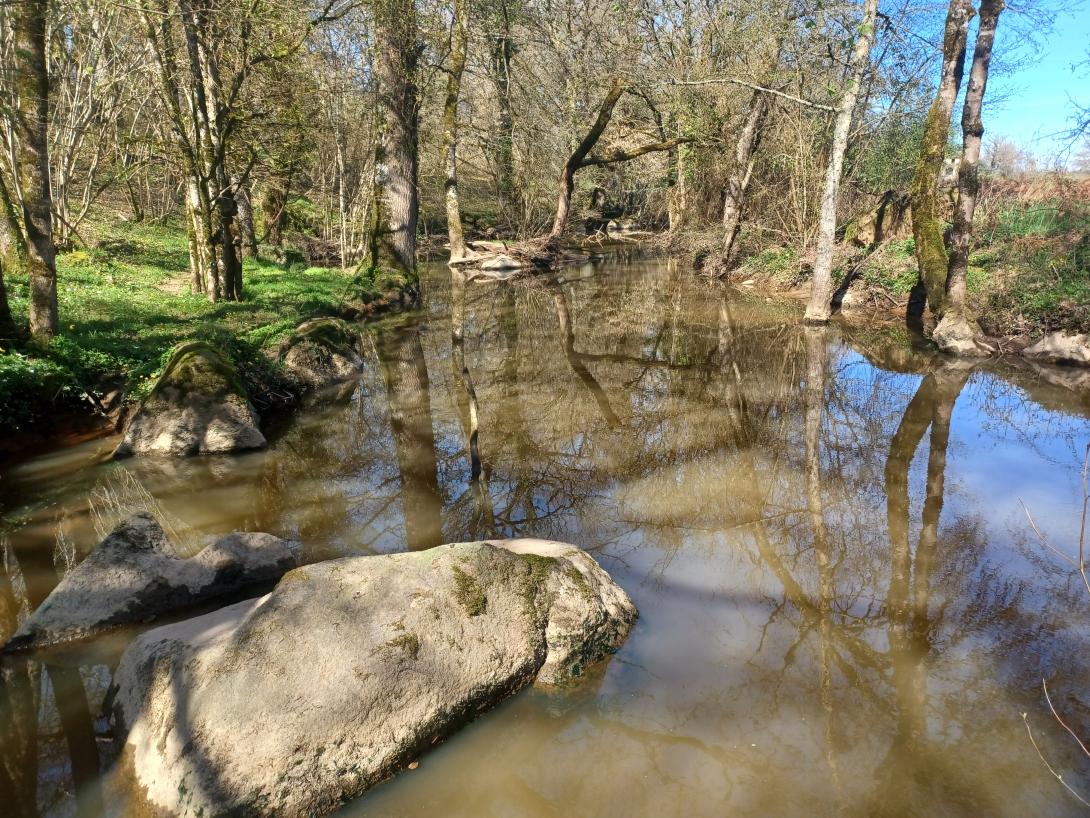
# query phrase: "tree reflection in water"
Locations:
[[827, 628]]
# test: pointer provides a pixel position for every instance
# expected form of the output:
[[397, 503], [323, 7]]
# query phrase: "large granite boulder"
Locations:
[[323, 352], [294, 703], [1061, 348], [134, 576], [198, 406]]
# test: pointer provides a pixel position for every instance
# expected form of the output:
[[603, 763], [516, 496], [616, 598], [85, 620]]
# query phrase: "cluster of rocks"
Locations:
[[342, 674], [199, 404]]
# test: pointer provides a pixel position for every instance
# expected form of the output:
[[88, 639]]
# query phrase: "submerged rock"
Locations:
[[323, 352], [294, 703], [134, 576], [198, 406], [1059, 347]]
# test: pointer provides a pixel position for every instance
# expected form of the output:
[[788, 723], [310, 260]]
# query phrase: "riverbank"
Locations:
[[1029, 272], [125, 303]]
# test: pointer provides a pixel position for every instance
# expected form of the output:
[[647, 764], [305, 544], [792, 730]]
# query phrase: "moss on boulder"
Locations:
[[197, 406], [323, 352]]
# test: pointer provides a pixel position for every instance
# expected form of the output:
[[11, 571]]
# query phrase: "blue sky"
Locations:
[[1038, 92]]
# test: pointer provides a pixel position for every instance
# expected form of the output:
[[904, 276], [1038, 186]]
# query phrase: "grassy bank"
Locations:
[[1029, 272], [125, 303]]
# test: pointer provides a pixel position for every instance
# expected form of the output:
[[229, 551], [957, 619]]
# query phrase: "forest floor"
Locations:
[[126, 302]]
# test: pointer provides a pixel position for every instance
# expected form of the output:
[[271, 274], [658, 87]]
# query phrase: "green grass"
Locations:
[[126, 302]]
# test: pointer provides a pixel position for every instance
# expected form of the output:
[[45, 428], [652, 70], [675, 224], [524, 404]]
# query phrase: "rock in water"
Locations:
[[133, 576], [958, 334], [294, 703], [198, 406], [323, 352], [1061, 348]]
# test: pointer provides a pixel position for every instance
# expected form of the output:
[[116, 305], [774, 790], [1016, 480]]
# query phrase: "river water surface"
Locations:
[[844, 608]]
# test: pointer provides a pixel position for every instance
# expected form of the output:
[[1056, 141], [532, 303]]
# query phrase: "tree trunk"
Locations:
[[274, 205], [395, 211], [575, 161], [821, 288], [927, 218], [458, 35], [972, 127], [503, 158], [245, 216], [12, 255], [31, 121], [738, 183]]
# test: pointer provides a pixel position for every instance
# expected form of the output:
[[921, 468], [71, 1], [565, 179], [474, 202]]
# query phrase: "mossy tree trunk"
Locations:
[[12, 256], [458, 36], [927, 218], [819, 308], [395, 208], [972, 126], [31, 126], [247, 233]]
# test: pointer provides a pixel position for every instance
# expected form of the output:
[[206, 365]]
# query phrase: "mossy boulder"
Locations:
[[197, 406], [323, 352], [294, 703]]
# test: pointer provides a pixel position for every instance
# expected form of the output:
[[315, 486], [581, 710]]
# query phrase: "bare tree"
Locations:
[[819, 307]]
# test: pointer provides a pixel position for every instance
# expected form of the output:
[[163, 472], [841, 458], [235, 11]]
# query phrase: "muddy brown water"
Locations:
[[844, 610]]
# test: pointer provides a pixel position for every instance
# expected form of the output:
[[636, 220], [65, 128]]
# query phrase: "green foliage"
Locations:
[[1041, 219], [774, 263], [125, 303]]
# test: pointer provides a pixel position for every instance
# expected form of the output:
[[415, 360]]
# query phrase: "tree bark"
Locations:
[[245, 216], [927, 218], [12, 255], [821, 289], [972, 127], [274, 204], [396, 195], [738, 183], [31, 121], [458, 36], [503, 158]]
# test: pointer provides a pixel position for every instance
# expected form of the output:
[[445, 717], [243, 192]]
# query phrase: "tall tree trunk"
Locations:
[[245, 216], [740, 174], [395, 211], [31, 121], [503, 159], [458, 35], [12, 255], [927, 217], [821, 288], [972, 127]]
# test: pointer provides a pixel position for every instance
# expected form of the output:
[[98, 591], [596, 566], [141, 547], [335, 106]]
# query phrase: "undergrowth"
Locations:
[[125, 302]]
